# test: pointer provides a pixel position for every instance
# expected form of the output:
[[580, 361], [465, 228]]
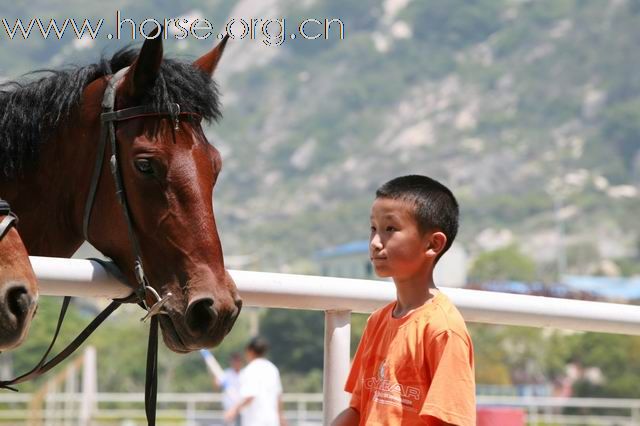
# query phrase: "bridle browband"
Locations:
[[10, 218], [108, 118]]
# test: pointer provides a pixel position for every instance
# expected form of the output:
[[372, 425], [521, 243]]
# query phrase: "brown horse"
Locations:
[[18, 290], [50, 134]]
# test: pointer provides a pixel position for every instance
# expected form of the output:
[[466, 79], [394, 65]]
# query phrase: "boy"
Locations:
[[414, 364]]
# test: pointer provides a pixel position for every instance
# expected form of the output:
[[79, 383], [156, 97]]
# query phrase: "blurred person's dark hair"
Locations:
[[258, 345]]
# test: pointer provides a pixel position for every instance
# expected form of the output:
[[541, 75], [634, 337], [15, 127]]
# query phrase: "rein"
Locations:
[[10, 218], [143, 291]]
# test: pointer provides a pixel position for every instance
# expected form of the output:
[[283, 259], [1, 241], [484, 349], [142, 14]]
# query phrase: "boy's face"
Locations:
[[397, 248]]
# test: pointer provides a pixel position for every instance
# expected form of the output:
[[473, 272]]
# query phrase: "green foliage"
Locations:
[[621, 127], [511, 39], [296, 338], [580, 255], [545, 12], [629, 267], [519, 355], [490, 357], [454, 23], [503, 264], [616, 357], [508, 209], [40, 335]]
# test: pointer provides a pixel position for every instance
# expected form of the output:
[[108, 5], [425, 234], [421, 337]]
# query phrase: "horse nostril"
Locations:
[[235, 314], [18, 301], [201, 315]]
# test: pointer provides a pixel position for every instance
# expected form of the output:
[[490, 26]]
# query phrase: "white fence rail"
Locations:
[[127, 409], [338, 297], [200, 409]]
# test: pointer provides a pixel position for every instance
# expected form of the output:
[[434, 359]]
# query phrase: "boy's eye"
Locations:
[[373, 229], [391, 229]]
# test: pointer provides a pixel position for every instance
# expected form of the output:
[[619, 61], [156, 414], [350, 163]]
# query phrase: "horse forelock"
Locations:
[[33, 109]]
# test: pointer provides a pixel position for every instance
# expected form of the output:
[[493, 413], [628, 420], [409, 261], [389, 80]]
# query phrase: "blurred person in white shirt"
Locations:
[[260, 402], [230, 385]]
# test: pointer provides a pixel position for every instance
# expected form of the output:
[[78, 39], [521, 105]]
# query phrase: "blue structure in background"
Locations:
[[607, 287]]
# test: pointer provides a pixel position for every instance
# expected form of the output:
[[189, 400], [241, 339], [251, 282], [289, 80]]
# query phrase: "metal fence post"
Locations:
[[337, 341]]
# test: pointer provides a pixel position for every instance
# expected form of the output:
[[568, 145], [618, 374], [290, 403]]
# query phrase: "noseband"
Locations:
[[10, 218]]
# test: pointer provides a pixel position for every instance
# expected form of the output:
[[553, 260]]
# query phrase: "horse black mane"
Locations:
[[31, 112]]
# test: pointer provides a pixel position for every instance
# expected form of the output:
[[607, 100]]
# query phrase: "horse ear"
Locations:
[[209, 61], [145, 69]]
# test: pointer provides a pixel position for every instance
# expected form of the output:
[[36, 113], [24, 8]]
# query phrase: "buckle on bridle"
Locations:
[[174, 112], [155, 309], [139, 272]]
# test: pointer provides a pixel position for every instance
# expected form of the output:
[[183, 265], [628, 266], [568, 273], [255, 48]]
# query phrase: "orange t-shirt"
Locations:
[[415, 369]]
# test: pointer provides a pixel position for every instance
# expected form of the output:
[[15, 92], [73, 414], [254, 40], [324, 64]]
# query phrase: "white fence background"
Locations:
[[200, 409], [338, 297]]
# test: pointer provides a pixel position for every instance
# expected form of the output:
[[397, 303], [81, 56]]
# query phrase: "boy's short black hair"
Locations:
[[258, 346], [435, 206]]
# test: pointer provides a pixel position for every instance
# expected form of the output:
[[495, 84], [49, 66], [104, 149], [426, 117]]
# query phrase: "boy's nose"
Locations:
[[375, 243]]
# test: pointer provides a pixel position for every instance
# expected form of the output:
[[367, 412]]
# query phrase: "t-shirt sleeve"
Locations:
[[354, 380], [451, 394]]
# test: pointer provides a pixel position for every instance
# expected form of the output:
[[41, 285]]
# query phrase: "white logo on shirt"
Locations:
[[381, 370]]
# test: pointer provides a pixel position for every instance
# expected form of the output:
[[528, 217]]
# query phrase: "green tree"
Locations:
[[621, 127], [454, 23], [506, 263], [616, 356], [519, 355], [296, 338]]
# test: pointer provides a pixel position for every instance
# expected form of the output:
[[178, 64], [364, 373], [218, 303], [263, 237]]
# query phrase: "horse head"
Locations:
[[18, 289], [168, 170]]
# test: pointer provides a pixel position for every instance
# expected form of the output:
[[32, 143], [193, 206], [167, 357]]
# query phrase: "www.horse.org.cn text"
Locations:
[[271, 31]]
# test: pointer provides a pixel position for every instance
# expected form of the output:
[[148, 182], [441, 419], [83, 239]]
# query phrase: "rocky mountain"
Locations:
[[528, 110]]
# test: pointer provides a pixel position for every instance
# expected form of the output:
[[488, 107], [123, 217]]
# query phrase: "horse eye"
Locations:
[[144, 166]]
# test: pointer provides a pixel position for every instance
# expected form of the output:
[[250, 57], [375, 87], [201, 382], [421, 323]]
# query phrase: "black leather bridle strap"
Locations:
[[108, 100], [173, 112], [10, 219], [43, 366], [6, 224], [151, 377], [108, 118]]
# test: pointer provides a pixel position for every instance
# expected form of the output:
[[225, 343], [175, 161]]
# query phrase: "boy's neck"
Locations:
[[413, 293]]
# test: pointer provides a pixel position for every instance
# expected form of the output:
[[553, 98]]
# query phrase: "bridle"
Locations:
[[108, 118], [10, 218], [143, 291]]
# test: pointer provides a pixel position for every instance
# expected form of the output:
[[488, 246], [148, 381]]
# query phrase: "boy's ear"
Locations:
[[435, 243]]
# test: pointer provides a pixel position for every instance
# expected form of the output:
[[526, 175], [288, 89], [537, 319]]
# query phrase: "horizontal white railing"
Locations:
[[338, 297], [300, 408], [189, 409], [61, 277]]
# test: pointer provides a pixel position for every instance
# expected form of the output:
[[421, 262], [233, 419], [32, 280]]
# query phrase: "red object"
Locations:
[[493, 416]]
